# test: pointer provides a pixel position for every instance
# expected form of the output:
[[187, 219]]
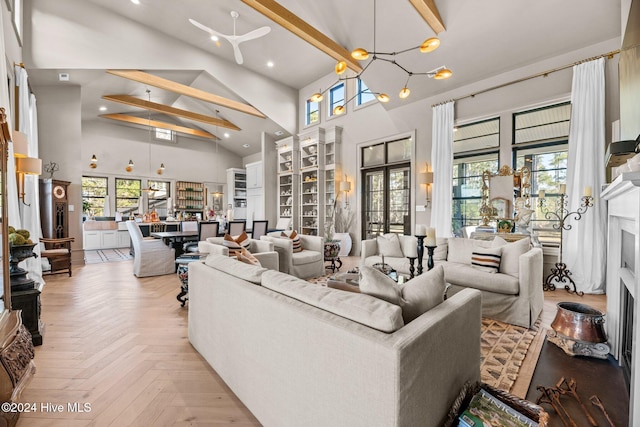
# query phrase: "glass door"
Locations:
[[387, 200]]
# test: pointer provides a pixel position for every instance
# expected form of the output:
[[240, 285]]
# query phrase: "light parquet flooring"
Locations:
[[120, 344]]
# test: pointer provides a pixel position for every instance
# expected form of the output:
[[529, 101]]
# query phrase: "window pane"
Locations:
[[364, 94], [477, 136], [467, 188], [94, 190], [373, 155], [312, 113], [542, 124], [128, 192], [158, 199], [398, 151], [336, 97]]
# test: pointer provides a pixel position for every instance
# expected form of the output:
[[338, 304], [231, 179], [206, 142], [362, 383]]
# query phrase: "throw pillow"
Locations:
[[486, 259], [389, 245], [415, 297], [422, 293], [248, 258], [511, 252], [297, 243], [235, 244]]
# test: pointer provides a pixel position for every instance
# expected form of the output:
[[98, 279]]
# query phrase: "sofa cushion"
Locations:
[[415, 297], [486, 259], [306, 257], [250, 273], [440, 252], [389, 245], [460, 249], [464, 275], [297, 243], [511, 252], [364, 309]]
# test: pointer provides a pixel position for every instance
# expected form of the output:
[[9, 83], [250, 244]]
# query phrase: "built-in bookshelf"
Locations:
[[288, 179], [190, 196]]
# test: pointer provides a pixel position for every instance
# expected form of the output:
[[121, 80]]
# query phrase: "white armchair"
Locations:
[[306, 264], [152, 257], [263, 251]]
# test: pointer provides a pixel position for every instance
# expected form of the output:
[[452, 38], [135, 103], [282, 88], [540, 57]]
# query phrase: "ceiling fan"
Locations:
[[234, 39]]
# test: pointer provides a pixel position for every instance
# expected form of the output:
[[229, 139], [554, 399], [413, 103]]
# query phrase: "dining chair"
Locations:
[[260, 228], [236, 228], [205, 230], [189, 226]]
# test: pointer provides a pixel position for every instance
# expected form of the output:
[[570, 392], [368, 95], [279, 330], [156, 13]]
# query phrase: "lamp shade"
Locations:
[[345, 186], [29, 165], [426, 178], [20, 144]]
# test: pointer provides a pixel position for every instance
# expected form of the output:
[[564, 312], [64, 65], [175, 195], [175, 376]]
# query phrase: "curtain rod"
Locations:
[[542, 74]]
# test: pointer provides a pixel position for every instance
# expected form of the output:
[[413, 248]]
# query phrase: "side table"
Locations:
[[182, 263]]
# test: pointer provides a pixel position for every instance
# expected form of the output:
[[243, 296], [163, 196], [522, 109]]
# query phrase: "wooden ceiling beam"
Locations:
[[429, 12], [179, 88], [158, 124], [290, 21], [172, 111]]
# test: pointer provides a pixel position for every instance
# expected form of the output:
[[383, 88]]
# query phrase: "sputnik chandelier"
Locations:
[[361, 54]]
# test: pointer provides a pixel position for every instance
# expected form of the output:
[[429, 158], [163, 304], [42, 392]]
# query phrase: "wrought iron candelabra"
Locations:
[[561, 274]]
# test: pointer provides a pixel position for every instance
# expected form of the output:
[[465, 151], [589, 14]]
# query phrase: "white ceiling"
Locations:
[[481, 39]]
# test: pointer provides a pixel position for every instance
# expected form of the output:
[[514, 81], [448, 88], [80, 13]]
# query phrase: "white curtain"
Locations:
[[584, 249], [28, 124], [442, 164]]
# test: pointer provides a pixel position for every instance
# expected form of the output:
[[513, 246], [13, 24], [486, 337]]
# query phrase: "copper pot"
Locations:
[[579, 322]]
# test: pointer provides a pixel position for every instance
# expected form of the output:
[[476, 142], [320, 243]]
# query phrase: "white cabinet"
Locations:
[[237, 184], [124, 240], [105, 236], [254, 175], [92, 239]]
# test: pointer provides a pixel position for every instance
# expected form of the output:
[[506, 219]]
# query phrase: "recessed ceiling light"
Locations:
[[246, 145], [226, 135], [135, 1], [270, 64], [103, 108]]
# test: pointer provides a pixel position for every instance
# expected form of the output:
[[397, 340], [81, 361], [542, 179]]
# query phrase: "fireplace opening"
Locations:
[[627, 335]]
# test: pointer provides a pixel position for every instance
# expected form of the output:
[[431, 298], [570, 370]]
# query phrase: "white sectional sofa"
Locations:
[[301, 354], [513, 294]]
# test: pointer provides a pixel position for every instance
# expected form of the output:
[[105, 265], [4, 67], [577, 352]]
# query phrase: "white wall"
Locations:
[[373, 123]]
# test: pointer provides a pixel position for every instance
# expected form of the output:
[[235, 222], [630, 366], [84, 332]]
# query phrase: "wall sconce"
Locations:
[[129, 167], [346, 187], [94, 162], [26, 166], [426, 179], [20, 144]]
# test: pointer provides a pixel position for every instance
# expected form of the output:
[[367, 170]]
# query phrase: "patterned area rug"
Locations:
[[504, 348], [106, 255], [504, 352]]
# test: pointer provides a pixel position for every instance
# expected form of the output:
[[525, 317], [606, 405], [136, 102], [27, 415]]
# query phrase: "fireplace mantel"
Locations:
[[623, 271]]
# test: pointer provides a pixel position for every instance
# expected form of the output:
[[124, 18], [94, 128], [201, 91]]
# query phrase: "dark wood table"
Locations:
[[176, 238]]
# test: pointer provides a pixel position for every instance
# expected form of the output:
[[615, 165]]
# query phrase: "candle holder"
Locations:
[[561, 274], [420, 252], [430, 250]]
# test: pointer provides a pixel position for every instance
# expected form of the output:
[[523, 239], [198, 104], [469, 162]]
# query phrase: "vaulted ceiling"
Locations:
[[481, 39]]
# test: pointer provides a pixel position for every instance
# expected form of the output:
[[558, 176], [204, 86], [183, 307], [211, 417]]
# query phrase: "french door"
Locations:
[[387, 200]]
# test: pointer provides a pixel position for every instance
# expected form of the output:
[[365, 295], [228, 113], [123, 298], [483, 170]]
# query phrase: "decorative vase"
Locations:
[[345, 243]]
